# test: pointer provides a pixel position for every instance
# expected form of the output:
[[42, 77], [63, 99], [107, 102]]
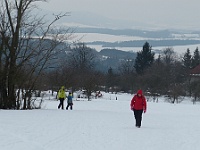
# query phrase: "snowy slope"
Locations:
[[101, 124]]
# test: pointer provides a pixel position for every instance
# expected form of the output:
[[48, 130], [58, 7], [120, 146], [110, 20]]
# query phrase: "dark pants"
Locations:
[[138, 117], [61, 103], [69, 104]]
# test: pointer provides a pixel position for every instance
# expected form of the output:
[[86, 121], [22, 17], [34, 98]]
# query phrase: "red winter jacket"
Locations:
[[139, 102]]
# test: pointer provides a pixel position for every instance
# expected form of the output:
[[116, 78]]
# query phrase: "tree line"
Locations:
[[167, 74]]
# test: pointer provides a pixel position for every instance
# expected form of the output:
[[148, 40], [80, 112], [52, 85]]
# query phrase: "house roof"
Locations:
[[195, 71]]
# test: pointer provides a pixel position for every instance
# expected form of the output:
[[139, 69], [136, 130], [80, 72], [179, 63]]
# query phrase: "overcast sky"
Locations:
[[164, 13]]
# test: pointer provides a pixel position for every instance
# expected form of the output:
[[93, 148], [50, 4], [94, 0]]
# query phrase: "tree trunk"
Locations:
[[11, 86]]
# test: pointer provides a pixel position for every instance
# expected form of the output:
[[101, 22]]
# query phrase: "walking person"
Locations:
[[61, 96], [138, 105], [69, 101]]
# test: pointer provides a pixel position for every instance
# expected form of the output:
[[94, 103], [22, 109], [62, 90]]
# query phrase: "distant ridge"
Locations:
[[127, 32], [153, 43], [117, 53]]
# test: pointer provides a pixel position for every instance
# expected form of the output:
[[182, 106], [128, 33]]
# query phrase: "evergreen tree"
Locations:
[[187, 59], [144, 58], [196, 58]]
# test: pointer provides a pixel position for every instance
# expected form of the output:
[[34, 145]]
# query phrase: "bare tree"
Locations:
[[195, 87], [128, 75], [168, 56], [26, 42], [81, 57], [78, 69], [154, 78]]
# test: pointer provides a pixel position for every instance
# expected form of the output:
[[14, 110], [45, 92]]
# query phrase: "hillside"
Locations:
[[101, 124], [117, 53]]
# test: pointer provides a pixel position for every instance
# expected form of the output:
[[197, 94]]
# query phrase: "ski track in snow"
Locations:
[[102, 124]]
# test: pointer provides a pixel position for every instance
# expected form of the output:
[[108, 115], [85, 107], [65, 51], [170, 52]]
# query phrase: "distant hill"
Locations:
[[105, 59], [140, 43], [112, 58], [127, 32], [114, 53], [156, 38]]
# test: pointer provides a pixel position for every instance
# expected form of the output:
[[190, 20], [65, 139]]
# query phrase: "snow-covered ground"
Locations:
[[101, 124]]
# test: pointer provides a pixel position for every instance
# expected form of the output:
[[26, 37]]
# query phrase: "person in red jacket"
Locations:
[[138, 105]]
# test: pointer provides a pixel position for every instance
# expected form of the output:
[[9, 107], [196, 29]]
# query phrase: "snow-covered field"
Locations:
[[101, 124]]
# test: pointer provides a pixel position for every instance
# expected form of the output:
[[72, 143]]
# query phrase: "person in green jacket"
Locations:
[[61, 97]]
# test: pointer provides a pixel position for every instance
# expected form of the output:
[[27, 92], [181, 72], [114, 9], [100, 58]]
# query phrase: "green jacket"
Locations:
[[61, 94]]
